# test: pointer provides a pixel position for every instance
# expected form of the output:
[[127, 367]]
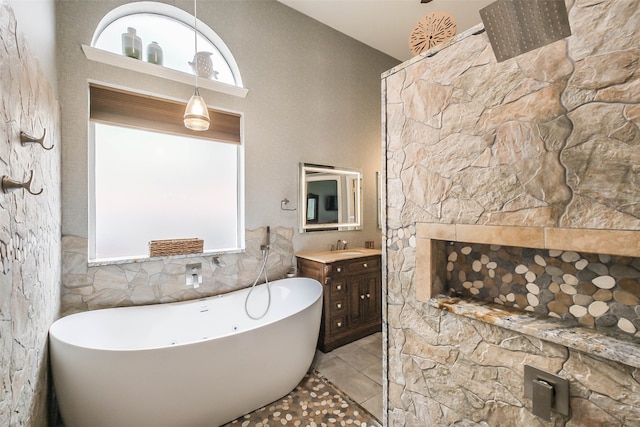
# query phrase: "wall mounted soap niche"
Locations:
[[595, 290]]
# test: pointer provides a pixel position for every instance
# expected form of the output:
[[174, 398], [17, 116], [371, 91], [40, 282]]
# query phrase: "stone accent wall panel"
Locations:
[[550, 138], [516, 143], [30, 265], [162, 280]]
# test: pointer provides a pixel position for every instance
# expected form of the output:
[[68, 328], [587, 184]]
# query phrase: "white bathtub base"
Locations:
[[205, 383]]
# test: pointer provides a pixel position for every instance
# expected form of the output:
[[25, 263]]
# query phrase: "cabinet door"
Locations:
[[372, 304], [365, 303], [355, 284]]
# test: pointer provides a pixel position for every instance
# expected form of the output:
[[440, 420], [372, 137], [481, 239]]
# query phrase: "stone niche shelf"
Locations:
[[615, 347], [139, 66], [431, 259]]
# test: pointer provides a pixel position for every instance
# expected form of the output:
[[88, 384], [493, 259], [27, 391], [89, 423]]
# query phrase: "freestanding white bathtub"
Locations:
[[188, 364]]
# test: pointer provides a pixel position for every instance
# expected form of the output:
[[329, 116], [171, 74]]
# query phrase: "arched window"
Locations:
[[141, 139], [172, 29]]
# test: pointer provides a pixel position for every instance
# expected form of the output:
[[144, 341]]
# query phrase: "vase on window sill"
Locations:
[[202, 65], [154, 53], [131, 44]]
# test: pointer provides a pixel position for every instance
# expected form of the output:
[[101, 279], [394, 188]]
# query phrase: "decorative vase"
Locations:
[[154, 53], [131, 44], [202, 65]]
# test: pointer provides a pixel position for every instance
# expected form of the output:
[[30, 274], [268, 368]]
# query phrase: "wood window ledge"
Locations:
[[139, 66]]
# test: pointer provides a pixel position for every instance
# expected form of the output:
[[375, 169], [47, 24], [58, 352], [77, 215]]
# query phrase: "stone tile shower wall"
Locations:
[[29, 230], [161, 280], [596, 290], [550, 138]]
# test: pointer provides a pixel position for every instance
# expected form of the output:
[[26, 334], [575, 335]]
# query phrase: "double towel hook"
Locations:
[[26, 139], [9, 184]]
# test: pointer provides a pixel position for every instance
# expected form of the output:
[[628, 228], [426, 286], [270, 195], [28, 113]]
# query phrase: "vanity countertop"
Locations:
[[326, 257]]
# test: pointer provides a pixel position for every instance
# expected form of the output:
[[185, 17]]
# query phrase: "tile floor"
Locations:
[[356, 369]]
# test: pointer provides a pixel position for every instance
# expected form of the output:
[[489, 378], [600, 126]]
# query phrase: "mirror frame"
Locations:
[[304, 223]]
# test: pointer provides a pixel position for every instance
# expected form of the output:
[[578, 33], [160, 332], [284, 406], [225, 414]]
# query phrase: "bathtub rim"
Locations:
[[258, 323]]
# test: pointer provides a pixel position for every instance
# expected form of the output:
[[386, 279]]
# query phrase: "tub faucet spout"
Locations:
[[194, 275], [194, 280]]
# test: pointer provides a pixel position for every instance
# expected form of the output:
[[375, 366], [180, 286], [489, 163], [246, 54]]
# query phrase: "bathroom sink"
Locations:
[[349, 252], [332, 256]]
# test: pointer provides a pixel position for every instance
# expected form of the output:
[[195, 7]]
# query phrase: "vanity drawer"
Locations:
[[335, 269], [337, 305], [338, 288], [338, 324], [364, 265]]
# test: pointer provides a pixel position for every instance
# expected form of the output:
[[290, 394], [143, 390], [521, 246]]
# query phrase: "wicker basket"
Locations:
[[175, 247]]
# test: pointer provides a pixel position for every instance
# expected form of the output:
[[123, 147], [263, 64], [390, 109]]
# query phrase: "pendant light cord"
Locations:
[[195, 39]]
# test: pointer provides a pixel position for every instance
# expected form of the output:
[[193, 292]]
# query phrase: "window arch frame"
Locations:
[[171, 12]]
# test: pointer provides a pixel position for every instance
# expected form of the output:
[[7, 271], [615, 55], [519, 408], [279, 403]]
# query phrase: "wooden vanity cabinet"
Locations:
[[352, 301]]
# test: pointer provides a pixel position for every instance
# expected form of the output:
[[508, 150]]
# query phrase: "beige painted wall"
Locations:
[[314, 96], [36, 21]]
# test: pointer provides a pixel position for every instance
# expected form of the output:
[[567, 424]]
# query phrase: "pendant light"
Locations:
[[196, 115]]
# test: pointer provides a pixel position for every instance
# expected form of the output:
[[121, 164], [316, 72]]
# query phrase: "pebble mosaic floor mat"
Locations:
[[314, 403]]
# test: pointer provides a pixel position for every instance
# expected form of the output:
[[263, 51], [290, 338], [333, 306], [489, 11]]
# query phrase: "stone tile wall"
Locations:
[[447, 370], [600, 291], [161, 280], [29, 230], [550, 138]]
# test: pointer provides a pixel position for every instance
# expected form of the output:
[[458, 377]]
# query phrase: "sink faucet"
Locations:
[[341, 242]]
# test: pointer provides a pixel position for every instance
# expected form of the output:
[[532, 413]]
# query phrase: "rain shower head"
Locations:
[[518, 26]]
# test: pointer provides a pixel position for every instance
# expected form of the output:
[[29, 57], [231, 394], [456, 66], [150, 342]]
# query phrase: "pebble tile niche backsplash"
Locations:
[[597, 290]]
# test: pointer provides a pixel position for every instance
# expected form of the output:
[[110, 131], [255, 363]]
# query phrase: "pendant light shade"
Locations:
[[196, 115]]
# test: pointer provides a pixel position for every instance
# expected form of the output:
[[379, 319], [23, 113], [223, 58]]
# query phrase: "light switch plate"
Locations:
[[560, 385]]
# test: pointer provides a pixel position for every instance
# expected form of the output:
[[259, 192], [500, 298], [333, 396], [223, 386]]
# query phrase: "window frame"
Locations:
[[240, 190], [155, 8]]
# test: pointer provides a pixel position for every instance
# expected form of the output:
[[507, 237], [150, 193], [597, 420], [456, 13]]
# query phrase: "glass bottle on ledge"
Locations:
[[131, 44], [154, 53]]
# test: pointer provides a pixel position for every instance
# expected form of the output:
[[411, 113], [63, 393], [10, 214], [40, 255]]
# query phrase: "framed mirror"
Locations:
[[330, 198]]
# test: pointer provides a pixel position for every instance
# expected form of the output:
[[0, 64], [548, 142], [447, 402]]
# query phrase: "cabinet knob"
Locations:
[[338, 305], [339, 269], [339, 324], [339, 287], [368, 295], [365, 265], [362, 296], [327, 280]]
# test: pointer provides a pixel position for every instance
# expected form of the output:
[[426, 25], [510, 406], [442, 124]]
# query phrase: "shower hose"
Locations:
[[265, 255]]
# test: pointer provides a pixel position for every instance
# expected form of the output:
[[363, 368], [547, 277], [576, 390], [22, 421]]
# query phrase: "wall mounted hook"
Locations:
[[9, 184], [283, 203], [28, 139]]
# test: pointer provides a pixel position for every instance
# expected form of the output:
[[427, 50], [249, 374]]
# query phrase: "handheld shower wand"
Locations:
[[263, 269], [266, 246]]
